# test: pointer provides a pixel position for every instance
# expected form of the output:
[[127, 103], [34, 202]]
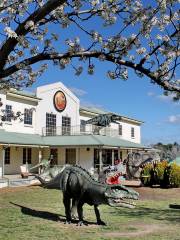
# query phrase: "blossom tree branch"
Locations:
[[144, 38]]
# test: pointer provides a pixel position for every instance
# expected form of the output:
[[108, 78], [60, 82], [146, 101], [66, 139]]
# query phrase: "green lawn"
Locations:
[[37, 213]]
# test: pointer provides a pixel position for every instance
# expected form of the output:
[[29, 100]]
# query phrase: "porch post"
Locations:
[[119, 156], [79, 150], [112, 163], [100, 160], [40, 159], [3, 160], [77, 156]]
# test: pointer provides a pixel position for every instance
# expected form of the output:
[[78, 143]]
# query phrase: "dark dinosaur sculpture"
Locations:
[[80, 187]]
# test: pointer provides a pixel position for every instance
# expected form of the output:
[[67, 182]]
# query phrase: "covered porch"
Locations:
[[89, 151]]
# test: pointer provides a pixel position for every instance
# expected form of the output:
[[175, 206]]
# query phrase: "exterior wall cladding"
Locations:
[[43, 103]]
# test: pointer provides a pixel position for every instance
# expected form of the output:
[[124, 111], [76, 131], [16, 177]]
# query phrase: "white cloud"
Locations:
[[174, 119], [91, 105], [78, 92], [150, 94], [166, 98], [163, 98]]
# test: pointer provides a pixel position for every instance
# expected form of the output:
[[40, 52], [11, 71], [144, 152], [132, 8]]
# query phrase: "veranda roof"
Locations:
[[14, 138]]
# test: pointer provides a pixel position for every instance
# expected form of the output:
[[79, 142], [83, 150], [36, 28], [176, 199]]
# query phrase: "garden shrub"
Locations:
[[159, 173], [160, 169], [174, 175], [146, 172]]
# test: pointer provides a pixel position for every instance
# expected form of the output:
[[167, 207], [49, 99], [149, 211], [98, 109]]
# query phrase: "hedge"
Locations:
[[161, 173]]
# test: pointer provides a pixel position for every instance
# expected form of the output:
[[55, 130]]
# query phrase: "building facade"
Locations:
[[52, 124]]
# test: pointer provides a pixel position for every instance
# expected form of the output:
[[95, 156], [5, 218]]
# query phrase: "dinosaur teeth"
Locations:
[[123, 201]]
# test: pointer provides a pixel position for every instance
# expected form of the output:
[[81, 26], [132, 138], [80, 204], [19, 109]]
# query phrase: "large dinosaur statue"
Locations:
[[80, 187], [136, 161]]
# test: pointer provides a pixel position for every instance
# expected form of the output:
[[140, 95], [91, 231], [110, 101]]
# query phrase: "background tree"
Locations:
[[143, 36]]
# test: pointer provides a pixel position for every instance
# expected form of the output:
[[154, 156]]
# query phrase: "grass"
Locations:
[[36, 213]]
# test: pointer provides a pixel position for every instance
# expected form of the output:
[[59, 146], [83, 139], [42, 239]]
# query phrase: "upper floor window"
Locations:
[[66, 125], [50, 124], [7, 156], [27, 155], [132, 132], [120, 129], [8, 113], [28, 116], [83, 126]]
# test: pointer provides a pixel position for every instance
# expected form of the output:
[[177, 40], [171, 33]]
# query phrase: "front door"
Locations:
[[71, 156], [54, 156]]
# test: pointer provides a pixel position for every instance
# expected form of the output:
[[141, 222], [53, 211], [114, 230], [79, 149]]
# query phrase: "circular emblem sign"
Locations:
[[59, 101]]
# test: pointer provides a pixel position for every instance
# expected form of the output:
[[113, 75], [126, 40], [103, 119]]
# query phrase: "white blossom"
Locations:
[[94, 2], [10, 33], [142, 35], [141, 50], [29, 25]]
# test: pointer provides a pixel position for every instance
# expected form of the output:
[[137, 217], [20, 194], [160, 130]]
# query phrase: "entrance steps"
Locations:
[[17, 182]]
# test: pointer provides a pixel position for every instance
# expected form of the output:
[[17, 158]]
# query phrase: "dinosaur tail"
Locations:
[[42, 181], [53, 183]]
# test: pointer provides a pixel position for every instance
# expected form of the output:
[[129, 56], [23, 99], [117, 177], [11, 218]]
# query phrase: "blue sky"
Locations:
[[136, 98]]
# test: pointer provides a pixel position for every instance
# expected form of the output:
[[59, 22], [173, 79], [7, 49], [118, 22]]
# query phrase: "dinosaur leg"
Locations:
[[74, 209], [67, 202], [99, 221], [80, 214]]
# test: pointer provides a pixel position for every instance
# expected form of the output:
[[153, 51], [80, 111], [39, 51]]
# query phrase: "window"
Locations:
[[27, 155], [83, 126], [54, 156], [66, 125], [117, 155], [121, 155], [7, 156], [71, 156], [28, 116], [96, 158], [107, 156], [120, 129], [50, 124], [132, 133], [8, 113]]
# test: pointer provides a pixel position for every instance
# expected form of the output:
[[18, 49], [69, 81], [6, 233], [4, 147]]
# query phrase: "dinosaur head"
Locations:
[[121, 196], [44, 163]]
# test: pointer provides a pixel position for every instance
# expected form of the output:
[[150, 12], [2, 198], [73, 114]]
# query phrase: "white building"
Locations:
[[54, 124]]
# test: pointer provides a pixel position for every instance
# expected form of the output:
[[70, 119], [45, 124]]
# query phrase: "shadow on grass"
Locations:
[[170, 215], [40, 214], [45, 214]]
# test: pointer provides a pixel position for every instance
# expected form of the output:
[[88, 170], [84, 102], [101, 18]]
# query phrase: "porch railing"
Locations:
[[87, 129]]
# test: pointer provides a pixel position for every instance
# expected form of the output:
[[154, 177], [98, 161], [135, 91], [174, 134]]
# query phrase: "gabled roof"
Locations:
[[95, 111], [23, 94]]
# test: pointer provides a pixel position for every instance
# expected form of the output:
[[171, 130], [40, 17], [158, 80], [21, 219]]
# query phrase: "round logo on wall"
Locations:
[[59, 101]]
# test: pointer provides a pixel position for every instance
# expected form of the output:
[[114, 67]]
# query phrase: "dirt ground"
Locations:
[[146, 193], [156, 193]]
